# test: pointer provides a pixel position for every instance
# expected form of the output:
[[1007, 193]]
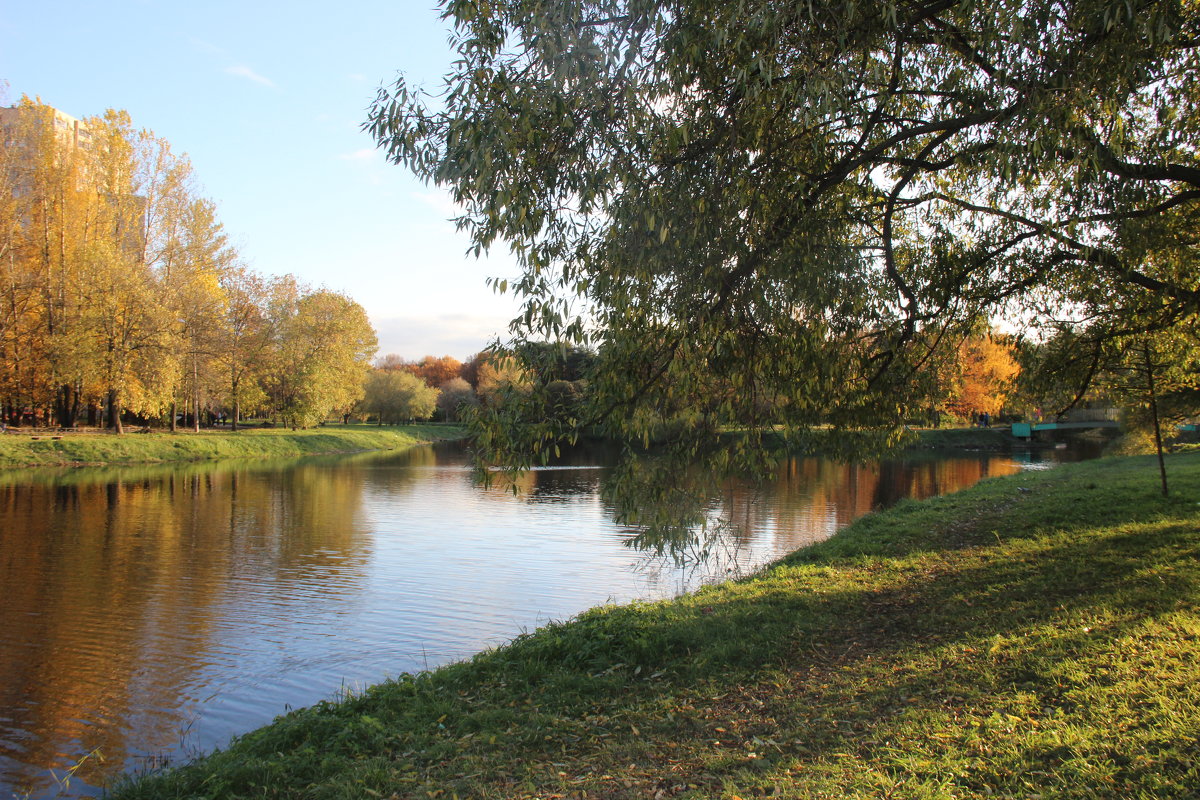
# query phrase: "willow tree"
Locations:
[[777, 212], [397, 396]]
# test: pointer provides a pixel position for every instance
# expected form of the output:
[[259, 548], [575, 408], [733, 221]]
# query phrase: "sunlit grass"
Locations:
[[19, 449], [1034, 636]]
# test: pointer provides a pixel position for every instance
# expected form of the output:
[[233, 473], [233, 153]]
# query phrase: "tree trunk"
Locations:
[[62, 405], [195, 397], [233, 384], [76, 401], [114, 411], [174, 414], [1162, 465]]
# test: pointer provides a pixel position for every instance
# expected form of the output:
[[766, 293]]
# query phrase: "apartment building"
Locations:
[[67, 127]]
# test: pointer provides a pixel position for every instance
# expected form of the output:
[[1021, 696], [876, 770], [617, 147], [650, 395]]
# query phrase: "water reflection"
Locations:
[[117, 589], [148, 612], [717, 526]]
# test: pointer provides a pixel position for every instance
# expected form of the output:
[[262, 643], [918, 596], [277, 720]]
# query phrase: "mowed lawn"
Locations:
[[24, 449]]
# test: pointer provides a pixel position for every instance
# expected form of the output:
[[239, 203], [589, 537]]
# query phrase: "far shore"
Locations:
[[48, 448], [86, 447]]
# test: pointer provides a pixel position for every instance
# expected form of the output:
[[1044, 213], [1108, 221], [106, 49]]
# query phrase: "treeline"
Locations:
[[122, 300], [447, 389], [981, 373]]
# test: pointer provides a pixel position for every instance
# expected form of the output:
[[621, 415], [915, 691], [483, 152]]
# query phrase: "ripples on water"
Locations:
[[151, 613]]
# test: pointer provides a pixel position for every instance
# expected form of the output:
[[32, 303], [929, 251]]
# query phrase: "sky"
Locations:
[[267, 100]]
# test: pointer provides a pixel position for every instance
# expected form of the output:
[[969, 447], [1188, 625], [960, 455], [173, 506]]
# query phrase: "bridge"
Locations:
[[1080, 419], [1026, 430]]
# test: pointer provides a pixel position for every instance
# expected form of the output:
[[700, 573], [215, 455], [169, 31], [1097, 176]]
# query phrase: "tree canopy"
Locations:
[[779, 212], [396, 396], [119, 287]]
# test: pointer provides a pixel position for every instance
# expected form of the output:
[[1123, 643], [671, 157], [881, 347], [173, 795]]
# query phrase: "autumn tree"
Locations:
[[246, 336], [436, 371], [25, 190], [119, 288], [392, 361], [195, 288], [323, 343], [470, 368], [396, 396], [454, 395], [129, 323], [13, 301], [47, 186], [130, 332], [500, 377], [981, 377], [795, 201]]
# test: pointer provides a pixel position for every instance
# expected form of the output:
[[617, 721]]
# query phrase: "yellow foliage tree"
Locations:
[[982, 377]]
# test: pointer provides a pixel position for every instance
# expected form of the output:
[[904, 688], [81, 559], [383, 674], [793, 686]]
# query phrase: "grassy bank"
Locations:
[[962, 438], [78, 448], [1035, 636]]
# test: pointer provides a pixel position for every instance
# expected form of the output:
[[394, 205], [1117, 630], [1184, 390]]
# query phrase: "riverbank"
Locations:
[[1034, 635], [990, 439], [19, 450]]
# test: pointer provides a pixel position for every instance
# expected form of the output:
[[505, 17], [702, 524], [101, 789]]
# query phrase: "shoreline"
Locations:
[[93, 448], [1026, 635], [86, 449]]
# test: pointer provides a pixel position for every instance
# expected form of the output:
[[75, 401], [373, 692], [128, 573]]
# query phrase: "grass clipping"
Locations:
[[1035, 636]]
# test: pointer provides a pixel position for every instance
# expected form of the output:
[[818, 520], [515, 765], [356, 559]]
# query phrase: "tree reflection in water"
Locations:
[[701, 516]]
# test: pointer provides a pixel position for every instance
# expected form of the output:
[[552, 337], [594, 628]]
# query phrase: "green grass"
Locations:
[[1034, 636], [77, 448], [973, 438]]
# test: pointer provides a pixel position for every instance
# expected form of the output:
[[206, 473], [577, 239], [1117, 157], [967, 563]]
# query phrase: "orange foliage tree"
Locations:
[[436, 371], [982, 377]]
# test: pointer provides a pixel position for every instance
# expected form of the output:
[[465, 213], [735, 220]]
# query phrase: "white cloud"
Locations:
[[204, 46], [459, 335], [368, 163], [242, 71], [365, 154], [441, 202]]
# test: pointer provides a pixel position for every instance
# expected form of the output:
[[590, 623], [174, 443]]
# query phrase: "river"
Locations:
[[148, 614]]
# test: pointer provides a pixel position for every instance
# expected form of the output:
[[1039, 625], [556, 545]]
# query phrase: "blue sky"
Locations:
[[267, 98]]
